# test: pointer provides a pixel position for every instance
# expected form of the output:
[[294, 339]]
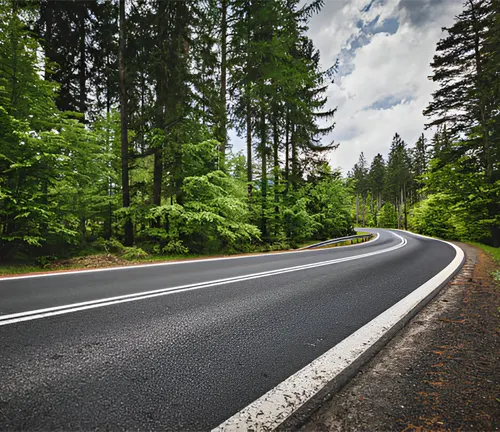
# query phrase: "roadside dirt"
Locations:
[[441, 372], [92, 261]]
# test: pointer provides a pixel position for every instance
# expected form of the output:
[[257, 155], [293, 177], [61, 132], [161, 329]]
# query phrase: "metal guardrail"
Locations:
[[337, 240]]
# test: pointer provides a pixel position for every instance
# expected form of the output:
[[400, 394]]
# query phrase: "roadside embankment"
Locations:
[[441, 372]]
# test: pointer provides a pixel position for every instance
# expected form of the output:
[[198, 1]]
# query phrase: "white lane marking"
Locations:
[[278, 404], [138, 266], [92, 304]]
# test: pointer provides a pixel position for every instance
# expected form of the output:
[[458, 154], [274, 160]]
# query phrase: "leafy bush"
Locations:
[[299, 224], [214, 217], [432, 217], [45, 260], [388, 218], [134, 252], [496, 276], [175, 248], [109, 246], [329, 202], [115, 247]]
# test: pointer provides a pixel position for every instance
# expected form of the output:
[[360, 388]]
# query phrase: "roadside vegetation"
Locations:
[[494, 253], [114, 123], [115, 120], [448, 187]]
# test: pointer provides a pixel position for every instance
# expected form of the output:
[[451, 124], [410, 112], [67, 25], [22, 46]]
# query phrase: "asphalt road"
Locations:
[[188, 360]]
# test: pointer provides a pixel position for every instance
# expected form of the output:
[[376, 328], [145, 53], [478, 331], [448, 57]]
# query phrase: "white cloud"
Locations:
[[388, 70], [385, 87]]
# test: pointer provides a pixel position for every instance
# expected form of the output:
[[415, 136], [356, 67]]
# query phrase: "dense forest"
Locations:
[[115, 117], [448, 187], [114, 128]]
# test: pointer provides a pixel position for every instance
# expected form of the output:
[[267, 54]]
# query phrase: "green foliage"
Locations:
[[450, 188], [329, 203], [115, 247], [492, 251], [466, 148], [174, 248], [298, 223], [213, 217], [216, 215], [134, 252], [433, 217], [111, 245], [388, 218], [45, 260], [62, 162]]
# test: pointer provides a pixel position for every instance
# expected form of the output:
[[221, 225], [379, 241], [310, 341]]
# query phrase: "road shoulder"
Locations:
[[440, 372]]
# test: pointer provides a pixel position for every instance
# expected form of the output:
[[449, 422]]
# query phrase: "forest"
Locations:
[[449, 186], [115, 119]]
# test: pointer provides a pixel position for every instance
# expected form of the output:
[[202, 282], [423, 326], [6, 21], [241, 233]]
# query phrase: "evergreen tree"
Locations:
[[376, 181], [419, 165], [464, 101], [468, 150], [398, 179], [360, 175]]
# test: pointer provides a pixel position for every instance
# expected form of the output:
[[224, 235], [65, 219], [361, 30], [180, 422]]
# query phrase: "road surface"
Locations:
[[185, 346]]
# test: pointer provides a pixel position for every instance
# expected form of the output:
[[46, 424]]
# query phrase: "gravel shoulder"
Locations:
[[441, 372]]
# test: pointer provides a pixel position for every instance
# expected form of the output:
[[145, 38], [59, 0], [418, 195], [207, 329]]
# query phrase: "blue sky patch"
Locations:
[[389, 101]]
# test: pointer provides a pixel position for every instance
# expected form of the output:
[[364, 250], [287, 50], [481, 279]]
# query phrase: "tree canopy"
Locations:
[[114, 128]]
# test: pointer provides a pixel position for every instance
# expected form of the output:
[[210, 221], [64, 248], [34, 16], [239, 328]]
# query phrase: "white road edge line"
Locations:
[[92, 304], [280, 403], [137, 266]]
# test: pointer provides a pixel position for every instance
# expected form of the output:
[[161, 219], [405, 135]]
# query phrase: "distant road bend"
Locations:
[[185, 346]]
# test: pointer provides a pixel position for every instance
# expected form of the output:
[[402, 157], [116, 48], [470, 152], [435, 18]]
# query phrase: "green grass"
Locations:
[[13, 269], [155, 258], [490, 250], [18, 269], [495, 254], [362, 233]]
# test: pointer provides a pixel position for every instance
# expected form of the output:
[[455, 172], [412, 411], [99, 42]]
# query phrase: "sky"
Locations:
[[384, 49]]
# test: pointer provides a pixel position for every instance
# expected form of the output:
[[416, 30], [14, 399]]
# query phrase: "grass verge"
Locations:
[[495, 254], [492, 251]]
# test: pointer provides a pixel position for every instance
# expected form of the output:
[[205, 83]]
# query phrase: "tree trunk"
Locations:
[[13, 40], [108, 225], [129, 234], [405, 213], [372, 210], [47, 18], [396, 209], [223, 83], [287, 150], [363, 209], [178, 175], [495, 236], [249, 148], [82, 227], [83, 62], [157, 176], [357, 210], [263, 150], [295, 174], [276, 165], [248, 107], [482, 104]]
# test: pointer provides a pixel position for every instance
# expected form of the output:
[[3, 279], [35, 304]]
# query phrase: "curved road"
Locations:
[[158, 347]]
